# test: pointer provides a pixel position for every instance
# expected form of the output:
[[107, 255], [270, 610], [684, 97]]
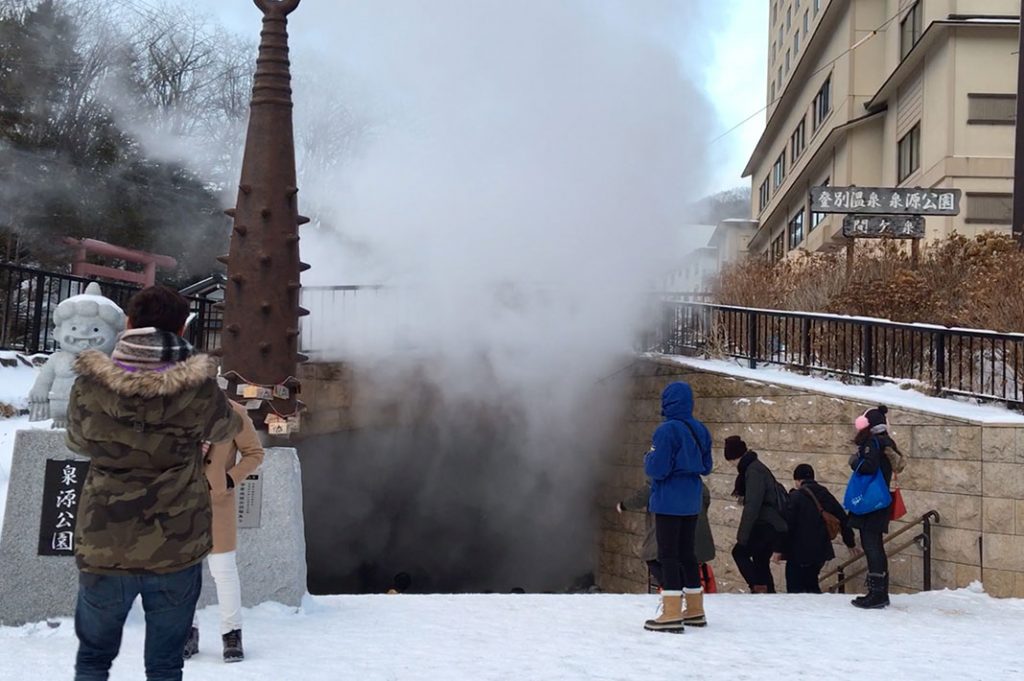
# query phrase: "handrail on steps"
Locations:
[[923, 539]]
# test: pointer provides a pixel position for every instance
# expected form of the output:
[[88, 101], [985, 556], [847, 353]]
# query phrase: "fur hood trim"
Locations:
[[181, 376]]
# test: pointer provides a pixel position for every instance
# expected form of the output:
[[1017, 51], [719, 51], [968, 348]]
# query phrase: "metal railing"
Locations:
[[985, 365], [30, 297], [923, 539]]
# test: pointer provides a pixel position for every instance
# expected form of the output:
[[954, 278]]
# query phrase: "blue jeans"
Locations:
[[103, 604]]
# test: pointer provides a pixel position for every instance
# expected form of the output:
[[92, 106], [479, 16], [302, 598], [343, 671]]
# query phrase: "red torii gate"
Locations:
[[81, 267]]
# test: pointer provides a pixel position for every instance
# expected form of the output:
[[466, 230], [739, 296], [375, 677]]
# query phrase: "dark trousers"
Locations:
[[803, 579], [103, 604], [707, 583], [874, 551], [754, 558], [676, 536]]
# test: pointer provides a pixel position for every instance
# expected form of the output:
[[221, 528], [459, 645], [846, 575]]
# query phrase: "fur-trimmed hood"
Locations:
[[182, 376]]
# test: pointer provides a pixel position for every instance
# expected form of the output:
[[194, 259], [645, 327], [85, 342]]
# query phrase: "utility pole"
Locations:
[[1018, 158]]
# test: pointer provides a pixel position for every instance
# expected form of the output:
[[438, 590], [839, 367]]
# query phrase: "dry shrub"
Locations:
[[960, 281]]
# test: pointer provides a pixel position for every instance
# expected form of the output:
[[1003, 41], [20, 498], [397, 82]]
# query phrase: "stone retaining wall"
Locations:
[[972, 473]]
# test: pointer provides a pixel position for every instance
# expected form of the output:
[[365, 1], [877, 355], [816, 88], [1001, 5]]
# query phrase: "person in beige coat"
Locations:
[[228, 464]]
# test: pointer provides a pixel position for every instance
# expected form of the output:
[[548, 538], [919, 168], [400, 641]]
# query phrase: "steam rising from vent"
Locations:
[[524, 189], [516, 175]]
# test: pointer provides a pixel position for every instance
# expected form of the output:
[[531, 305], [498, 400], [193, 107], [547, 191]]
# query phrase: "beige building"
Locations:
[[885, 93]]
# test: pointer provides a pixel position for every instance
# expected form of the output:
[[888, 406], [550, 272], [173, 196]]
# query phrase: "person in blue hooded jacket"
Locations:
[[680, 454]]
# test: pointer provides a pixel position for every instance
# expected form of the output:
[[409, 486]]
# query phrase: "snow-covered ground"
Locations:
[[890, 394], [962, 635]]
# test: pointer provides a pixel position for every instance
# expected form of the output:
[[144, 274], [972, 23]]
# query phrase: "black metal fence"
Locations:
[[968, 362], [30, 296]]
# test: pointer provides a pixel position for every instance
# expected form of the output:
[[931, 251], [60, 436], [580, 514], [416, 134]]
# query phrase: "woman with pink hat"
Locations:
[[876, 452]]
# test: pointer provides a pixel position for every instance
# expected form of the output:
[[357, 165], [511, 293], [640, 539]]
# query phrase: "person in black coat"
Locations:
[[762, 527], [809, 546], [873, 446]]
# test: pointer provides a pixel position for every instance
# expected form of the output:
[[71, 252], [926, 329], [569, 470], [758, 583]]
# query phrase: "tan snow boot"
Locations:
[[671, 617], [693, 616]]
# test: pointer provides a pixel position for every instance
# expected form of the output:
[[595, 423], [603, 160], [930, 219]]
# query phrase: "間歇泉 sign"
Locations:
[[883, 226], [885, 200]]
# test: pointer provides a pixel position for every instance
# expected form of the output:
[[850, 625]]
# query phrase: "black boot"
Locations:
[[233, 646], [192, 644], [878, 592]]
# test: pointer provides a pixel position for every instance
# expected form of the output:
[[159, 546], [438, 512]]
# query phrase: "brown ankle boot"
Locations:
[[693, 616], [759, 589], [671, 617]]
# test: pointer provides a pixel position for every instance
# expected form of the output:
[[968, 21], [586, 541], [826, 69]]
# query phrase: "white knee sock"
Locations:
[[229, 590]]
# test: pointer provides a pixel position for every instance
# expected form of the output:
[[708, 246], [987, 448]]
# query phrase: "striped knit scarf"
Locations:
[[150, 349]]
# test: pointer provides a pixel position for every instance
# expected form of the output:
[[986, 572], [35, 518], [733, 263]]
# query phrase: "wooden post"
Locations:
[[915, 254], [849, 259]]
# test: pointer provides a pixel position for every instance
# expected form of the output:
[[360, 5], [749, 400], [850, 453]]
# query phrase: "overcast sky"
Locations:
[[734, 76]]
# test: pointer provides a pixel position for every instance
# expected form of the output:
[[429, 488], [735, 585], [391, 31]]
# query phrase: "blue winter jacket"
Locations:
[[677, 458]]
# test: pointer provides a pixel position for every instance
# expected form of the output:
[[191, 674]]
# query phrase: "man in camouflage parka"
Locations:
[[144, 518]]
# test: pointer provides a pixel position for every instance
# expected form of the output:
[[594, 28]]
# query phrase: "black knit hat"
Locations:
[[803, 472], [735, 447]]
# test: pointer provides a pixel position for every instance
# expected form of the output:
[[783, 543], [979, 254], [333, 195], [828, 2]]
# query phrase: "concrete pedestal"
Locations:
[[271, 558]]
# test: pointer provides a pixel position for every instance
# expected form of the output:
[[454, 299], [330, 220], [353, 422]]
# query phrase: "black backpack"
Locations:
[[781, 498]]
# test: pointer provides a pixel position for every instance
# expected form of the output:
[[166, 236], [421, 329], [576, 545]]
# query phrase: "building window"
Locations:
[[818, 218], [796, 229], [910, 30], [789, 17], [775, 11], [807, 21], [780, 78], [771, 92], [779, 247], [991, 109], [782, 36], [773, 51], [779, 171], [822, 105], [763, 195], [796, 43], [789, 58], [991, 209], [817, 7], [909, 150], [798, 141]]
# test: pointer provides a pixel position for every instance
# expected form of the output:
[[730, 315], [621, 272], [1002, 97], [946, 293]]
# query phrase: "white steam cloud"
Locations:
[[517, 175]]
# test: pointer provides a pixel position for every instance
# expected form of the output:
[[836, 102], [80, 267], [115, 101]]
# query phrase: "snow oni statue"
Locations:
[[88, 321]]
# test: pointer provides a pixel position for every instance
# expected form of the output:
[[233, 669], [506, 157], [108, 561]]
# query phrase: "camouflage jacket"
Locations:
[[145, 506]]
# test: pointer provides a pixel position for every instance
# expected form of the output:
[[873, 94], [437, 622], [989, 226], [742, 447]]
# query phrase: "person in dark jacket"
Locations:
[[762, 528], [704, 543], [873, 443], [680, 454], [809, 547]]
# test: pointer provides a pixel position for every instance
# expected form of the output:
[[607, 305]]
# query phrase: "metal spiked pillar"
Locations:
[[261, 309]]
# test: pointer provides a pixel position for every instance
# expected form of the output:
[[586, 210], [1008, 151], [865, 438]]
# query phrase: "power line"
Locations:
[[824, 67]]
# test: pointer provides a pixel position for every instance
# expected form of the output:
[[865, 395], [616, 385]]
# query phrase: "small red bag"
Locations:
[[707, 579], [898, 509]]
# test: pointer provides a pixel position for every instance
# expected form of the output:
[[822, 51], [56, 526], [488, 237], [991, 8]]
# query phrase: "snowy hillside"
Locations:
[[962, 635]]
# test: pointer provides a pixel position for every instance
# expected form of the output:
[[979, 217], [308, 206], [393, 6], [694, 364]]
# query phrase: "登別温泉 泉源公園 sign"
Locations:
[[885, 200]]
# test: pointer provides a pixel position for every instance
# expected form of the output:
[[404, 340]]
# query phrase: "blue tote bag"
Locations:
[[866, 493]]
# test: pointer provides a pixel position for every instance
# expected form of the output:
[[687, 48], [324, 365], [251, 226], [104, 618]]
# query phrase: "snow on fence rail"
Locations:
[[986, 365]]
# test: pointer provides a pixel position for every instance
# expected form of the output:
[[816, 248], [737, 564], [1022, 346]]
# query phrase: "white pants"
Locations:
[[229, 589]]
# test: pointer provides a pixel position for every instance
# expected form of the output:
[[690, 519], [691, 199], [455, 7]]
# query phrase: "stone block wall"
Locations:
[[972, 473], [340, 396]]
